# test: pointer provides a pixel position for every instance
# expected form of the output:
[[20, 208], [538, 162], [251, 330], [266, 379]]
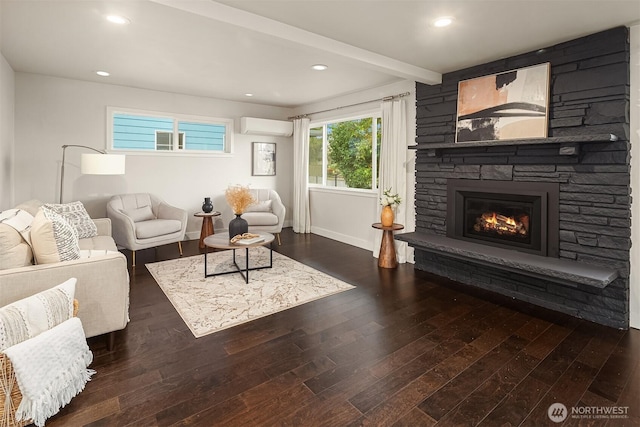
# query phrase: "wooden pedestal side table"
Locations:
[[387, 257], [207, 225]]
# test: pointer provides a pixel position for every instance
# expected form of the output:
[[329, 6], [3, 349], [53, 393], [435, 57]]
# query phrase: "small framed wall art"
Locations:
[[509, 105], [263, 159]]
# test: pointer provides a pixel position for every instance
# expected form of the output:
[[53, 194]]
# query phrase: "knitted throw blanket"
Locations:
[[50, 369]]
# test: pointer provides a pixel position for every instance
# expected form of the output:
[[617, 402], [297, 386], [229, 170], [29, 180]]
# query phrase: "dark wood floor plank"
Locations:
[[369, 356], [404, 401], [619, 367], [554, 365], [547, 341], [367, 351], [113, 387], [211, 416], [415, 417], [630, 396], [488, 395], [255, 396], [533, 328], [187, 392], [456, 390], [261, 337], [401, 357], [395, 381], [567, 390], [590, 400], [84, 415], [278, 406], [515, 407], [323, 411], [599, 349]]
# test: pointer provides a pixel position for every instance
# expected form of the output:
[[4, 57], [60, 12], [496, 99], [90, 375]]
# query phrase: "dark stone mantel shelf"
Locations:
[[569, 145], [565, 272]]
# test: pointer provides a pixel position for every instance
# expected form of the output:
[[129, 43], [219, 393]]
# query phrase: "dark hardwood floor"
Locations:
[[404, 348]]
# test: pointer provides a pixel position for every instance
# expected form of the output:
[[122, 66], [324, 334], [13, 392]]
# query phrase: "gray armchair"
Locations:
[[142, 220], [266, 213]]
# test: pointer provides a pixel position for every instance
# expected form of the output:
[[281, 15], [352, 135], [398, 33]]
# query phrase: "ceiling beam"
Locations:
[[230, 15]]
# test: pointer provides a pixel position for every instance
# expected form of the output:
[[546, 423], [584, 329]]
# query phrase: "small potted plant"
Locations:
[[388, 201]]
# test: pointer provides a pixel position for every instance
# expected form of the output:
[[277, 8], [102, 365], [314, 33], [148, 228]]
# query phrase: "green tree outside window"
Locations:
[[350, 147]]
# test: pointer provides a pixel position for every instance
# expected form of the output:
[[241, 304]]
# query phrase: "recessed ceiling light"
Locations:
[[102, 73], [319, 67], [443, 21], [248, 94], [117, 19]]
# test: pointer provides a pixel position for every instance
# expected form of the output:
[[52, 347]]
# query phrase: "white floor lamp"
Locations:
[[94, 164]]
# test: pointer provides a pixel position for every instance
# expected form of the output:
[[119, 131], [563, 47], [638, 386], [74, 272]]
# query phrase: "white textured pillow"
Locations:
[[14, 251], [264, 206], [53, 238], [140, 214], [33, 315], [77, 216]]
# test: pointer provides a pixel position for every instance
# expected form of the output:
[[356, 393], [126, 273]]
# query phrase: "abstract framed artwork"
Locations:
[[263, 159], [503, 106]]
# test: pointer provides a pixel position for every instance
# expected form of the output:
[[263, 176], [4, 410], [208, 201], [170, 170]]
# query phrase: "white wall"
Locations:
[[7, 89], [53, 111], [634, 319], [347, 217]]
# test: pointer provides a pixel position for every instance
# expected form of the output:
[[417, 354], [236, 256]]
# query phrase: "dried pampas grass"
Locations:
[[239, 198]]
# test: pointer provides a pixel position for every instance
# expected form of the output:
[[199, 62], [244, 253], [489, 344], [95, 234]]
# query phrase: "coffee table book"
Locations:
[[250, 241]]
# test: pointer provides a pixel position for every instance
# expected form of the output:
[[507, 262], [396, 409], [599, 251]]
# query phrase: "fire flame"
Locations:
[[501, 224]]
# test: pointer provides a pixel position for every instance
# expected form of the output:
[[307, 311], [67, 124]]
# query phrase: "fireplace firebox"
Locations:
[[509, 214]]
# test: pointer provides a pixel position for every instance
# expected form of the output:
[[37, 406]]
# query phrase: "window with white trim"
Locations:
[[145, 131], [345, 153]]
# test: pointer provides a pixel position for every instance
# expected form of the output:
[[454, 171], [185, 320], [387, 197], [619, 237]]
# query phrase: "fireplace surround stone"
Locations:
[[586, 155]]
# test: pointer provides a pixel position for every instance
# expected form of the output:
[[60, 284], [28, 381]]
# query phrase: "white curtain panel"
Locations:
[[393, 171], [301, 215]]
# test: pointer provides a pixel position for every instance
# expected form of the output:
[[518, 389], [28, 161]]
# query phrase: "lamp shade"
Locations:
[[102, 164]]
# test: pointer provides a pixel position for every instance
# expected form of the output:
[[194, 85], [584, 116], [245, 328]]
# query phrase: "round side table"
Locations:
[[387, 257], [207, 225]]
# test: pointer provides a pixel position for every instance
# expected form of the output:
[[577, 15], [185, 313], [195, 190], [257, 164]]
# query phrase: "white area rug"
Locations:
[[220, 302]]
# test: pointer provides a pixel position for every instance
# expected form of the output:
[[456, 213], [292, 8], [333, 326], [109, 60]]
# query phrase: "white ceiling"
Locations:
[[228, 48]]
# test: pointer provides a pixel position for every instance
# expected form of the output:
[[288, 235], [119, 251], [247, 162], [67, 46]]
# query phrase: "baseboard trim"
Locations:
[[350, 240], [192, 235]]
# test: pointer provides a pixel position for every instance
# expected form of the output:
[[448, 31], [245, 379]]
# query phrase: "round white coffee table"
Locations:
[[221, 241]]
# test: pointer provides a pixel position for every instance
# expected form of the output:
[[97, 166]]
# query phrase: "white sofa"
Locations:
[[102, 288], [266, 213]]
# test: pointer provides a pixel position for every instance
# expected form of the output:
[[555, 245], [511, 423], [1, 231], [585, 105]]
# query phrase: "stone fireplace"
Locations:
[[546, 221]]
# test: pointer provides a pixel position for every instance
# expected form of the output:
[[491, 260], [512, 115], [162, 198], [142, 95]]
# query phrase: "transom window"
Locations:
[[345, 153], [158, 132]]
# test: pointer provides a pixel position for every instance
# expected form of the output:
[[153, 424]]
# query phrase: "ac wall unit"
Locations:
[[255, 126]]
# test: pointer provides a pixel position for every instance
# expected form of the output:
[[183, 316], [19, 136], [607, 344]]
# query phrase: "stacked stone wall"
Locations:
[[589, 95]]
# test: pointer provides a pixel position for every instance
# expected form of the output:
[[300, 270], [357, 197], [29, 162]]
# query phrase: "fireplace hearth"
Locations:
[[516, 215]]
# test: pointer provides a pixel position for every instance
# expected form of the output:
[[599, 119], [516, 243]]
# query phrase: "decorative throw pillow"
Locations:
[[264, 206], [77, 216], [53, 238], [33, 315], [15, 238], [14, 251], [143, 213]]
